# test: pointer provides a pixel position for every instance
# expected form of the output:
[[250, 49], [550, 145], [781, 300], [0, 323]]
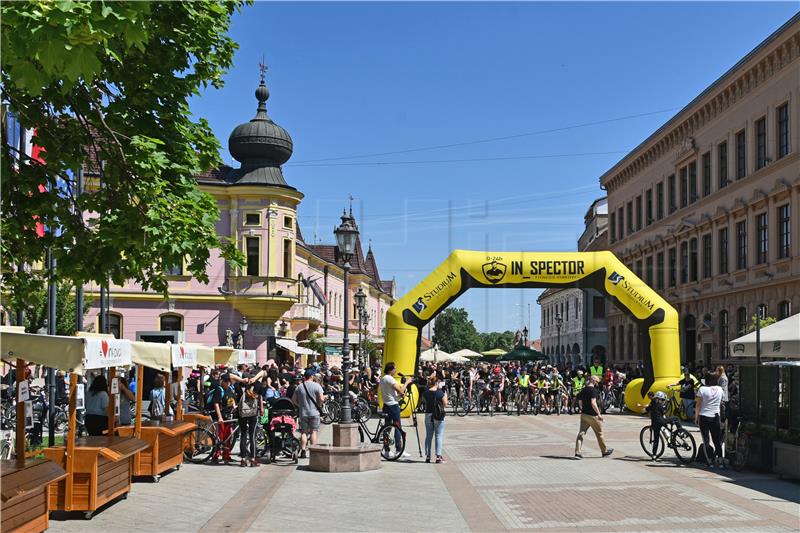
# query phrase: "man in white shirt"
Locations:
[[391, 406]]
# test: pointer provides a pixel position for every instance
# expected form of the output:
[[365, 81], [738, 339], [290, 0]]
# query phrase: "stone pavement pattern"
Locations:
[[503, 473]]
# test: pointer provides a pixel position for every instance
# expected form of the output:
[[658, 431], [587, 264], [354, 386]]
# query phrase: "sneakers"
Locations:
[[243, 462], [302, 454], [254, 463], [578, 456], [439, 459], [405, 455], [427, 459], [608, 452]]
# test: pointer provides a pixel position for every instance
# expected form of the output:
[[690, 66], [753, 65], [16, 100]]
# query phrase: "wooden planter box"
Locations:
[[786, 459], [101, 471], [164, 446], [760, 454], [25, 497]]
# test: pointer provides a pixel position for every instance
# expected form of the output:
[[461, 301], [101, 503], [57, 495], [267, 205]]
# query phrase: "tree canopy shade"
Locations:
[[454, 331], [106, 87]]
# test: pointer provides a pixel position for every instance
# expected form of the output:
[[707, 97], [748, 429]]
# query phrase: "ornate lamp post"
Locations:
[[559, 322], [525, 336], [346, 236], [365, 323], [361, 299], [243, 325]]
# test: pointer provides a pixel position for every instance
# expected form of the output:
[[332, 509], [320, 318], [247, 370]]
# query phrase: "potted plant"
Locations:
[[786, 453]]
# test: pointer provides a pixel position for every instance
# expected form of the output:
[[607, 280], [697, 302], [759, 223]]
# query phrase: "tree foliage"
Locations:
[[496, 339], [455, 331], [106, 85], [764, 322], [36, 314]]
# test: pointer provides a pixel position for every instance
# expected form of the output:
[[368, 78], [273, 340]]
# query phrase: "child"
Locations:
[[658, 418]]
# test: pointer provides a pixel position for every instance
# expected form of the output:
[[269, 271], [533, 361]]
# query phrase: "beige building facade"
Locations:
[[707, 209]]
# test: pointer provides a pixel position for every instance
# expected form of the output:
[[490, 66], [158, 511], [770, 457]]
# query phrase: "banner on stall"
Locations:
[[103, 352], [183, 355], [246, 357]]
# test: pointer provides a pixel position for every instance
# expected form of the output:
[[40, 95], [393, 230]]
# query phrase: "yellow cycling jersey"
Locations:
[[542, 383], [524, 381]]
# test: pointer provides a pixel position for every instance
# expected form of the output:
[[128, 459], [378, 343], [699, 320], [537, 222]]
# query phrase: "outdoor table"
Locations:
[[164, 446], [101, 471], [25, 496]]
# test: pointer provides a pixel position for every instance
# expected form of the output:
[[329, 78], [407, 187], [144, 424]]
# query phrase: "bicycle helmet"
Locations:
[[496, 370], [661, 396]]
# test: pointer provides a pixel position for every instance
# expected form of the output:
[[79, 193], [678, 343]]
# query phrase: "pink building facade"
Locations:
[[288, 289]]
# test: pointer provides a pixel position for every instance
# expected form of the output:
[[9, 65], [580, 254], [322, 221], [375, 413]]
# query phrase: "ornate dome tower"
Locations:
[[261, 146]]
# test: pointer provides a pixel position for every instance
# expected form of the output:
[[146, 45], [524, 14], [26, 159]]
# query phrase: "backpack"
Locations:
[[438, 410], [210, 396], [157, 407], [248, 406]]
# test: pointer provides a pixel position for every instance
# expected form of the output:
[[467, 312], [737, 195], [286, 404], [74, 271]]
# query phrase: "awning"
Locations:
[[153, 355], [205, 355], [231, 357], [781, 339], [63, 353], [465, 352], [434, 354], [292, 346]]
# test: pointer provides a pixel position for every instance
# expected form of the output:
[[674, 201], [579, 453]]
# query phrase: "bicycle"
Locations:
[[522, 400], [737, 445], [465, 405], [204, 441], [674, 405], [671, 436]]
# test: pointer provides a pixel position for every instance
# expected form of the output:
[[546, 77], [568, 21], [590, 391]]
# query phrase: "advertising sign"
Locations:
[[246, 357], [183, 355], [107, 353]]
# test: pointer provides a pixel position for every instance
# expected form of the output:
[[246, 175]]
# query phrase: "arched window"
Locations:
[[576, 349], [631, 349], [741, 321], [115, 324], [171, 322], [784, 309]]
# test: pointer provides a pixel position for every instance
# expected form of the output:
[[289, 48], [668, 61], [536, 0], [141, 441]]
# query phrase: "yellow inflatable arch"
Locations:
[[597, 270]]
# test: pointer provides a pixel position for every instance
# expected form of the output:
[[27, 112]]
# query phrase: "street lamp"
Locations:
[[360, 298], [243, 324], [525, 336], [559, 322], [346, 236], [365, 323]]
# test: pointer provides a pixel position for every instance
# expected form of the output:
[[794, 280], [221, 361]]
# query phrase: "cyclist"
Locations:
[[497, 385], [542, 388], [390, 392], [658, 418], [556, 384], [596, 369], [524, 382], [577, 385]]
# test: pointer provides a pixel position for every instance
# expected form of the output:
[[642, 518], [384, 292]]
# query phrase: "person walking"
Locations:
[[308, 397], [96, 419], [709, 398], [591, 417], [435, 402], [249, 407], [158, 399]]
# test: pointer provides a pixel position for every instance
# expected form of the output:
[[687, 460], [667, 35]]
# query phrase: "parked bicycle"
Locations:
[[675, 405], [671, 436], [203, 443], [737, 443]]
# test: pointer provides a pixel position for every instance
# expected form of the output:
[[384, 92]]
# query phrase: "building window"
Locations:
[[115, 325], [287, 222], [761, 238], [741, 155], [620, 224], [566, 313], [741, 244], [252, 246], [706, 174], [576, 309], [684, 187], [660, 200], [612, 226], [660, 270], [638, 212], [723, 334], [598, 307], [784, 231], [287, 258], [761, 142], [629, 215], [707, 256], [692, 182], [783, 130], [175, 270], [693, 259], [684, 262], [639, 268], [648, 270], [723, 251], [673, 267], [631, 350], [612, 342], [621, 342], [252, 219], [171, 322], [671, 192], [741, 321], [722, 163], [648, 210], [784, 309]]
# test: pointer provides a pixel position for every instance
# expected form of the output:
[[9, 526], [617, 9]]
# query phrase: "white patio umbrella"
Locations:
[[781, 339], [433, 354], [466, 353]]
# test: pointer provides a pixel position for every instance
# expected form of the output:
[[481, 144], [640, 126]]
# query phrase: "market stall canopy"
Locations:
[[155, 355], [465, 352], [523, 353], [494, 353], [63, 353], [230, 357], [292, 346], [781, 339], [333, 341], [433, 354], [205, 355]]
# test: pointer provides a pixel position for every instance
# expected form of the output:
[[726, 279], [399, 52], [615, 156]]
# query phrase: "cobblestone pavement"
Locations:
[[503, 473]]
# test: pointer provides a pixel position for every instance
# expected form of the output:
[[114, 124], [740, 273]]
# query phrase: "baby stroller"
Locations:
[[282, 425]]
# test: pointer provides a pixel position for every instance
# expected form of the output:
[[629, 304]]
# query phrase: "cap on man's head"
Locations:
[[309, 373]]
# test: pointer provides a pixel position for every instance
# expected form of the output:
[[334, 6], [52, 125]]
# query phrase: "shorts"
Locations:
[[309, 423]]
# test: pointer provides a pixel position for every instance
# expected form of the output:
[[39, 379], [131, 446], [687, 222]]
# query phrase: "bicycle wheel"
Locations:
[[262, 441], [391, 448], [199, 446], [646, 440], [684, 446], [463, 407], [742, 453]]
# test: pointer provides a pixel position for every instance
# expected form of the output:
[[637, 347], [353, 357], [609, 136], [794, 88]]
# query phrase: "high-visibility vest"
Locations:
[[577, 383], [523, 381], [596, 371]]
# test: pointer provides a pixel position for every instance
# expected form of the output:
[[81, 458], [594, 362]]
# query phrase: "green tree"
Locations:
[[454, 331], [36, 314], [764, 322], [106, 85], [497, 339]]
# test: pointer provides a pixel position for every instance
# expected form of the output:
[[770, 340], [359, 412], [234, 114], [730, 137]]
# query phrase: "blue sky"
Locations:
[[352, 79]]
